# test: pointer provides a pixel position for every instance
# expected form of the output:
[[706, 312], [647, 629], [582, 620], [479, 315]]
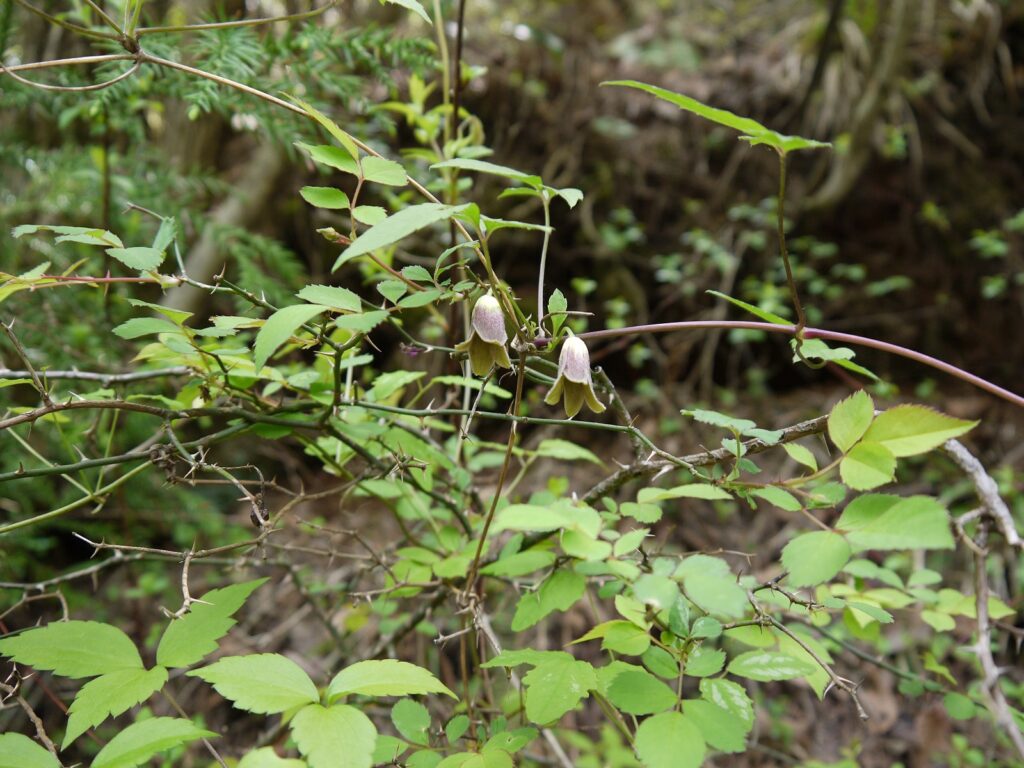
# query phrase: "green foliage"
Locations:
[[453, 533]]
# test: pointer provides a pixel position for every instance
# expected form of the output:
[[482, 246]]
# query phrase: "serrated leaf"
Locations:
[[764, 666], [19, 751], [73, 649], [385, 677], [397, 227], [670, 740], [559, 592], [638, 692], [731, 697], [383, 171], [881, 521], [813, 558], [82, 235], [908, 430], [331, 736], [555, 687], [850, 419], [332, 296], [412, 720], [191, 637], [264, 683], [533, 517], [570, 195], [280, 327], [140, 741], [325, 197], [719, 727], [142, 258], [108, 696], [867, 465], [642, 513], [520, 563]]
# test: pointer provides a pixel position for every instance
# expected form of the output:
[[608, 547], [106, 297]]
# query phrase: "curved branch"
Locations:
[[73, 88]]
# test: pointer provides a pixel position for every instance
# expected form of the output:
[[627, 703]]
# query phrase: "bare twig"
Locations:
[[8, 329], [987, 489]]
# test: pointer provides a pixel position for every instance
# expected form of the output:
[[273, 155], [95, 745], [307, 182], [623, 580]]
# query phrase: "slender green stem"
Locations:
[[546, 200], [474, 568], [94, 496]]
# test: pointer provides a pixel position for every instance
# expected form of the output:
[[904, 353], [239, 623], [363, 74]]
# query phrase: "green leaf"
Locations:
[[144, 326], [880, 521], [619, 636], [566, 451], [850, 419], [383, 171], [908, 430], [813, 558], [142, 258], [670, 740], [137, 743], [83, 235], [264, 683], [868, 465], [638, 692], [339, 735], [482, 166], [412, 720], [385, 677], [417, 273], [959, 706], [642, 513], [559, 592], [165, 234], [710, 584], [764, 666], [266, 757], [801, 455], [325, 197], [414, 6], [280, 327], [18, 751], [721, 116], [363, 323], [557, 686], [780, 498], [73, 649], [731, 697], [719, 727], [533, 517], [331, 296], [704, 661], [520, 563], [342, 137], [369, 214], [557, 305], [108, 696], [756, 311], [398, 226], [570, 195], [420, 298], [455, 728], [691, 491], [331, 156], [191, 637]]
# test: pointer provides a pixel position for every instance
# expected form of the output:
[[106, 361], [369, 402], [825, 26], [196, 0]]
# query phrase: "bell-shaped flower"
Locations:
[[574, 382], [486, 342]]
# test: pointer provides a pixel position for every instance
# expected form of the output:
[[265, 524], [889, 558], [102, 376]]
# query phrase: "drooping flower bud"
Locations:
[[486, 342], [574, 381]]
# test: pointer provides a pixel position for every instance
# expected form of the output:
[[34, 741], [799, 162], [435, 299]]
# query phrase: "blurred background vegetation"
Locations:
[[911, 230]]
